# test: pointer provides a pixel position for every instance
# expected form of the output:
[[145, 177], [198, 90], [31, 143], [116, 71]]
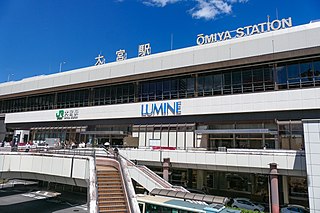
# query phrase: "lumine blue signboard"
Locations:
[[161, 109]]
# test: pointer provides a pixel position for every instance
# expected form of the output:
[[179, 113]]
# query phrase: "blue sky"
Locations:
[[37, 35]]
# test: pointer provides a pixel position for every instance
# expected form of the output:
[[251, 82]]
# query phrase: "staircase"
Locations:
[[111, 197]]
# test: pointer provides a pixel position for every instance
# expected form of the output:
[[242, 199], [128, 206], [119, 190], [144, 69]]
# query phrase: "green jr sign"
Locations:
[[67, 114], [60, 114]]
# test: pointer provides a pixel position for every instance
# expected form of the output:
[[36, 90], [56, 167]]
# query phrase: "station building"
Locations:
[[222, 112]]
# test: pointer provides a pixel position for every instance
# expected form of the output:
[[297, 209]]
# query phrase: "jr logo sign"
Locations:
[[60, 114], [67, 114]]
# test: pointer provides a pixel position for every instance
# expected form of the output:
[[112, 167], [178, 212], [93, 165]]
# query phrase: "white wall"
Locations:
[[302, 99], [289, 162], [312, 148], [45, 164]]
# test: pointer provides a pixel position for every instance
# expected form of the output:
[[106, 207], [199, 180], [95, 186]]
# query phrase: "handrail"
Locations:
[[96, 180], [149, 172], [93, 188], [92, 185], [154, 176], [133, 203]]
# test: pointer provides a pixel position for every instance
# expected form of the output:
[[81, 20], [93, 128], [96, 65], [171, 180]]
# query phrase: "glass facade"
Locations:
[[238, 184], [274, 76]]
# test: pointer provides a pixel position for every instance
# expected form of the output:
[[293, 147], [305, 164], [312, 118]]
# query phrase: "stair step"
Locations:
[[110, 182], [111, 189], [109, 178], [108, 173], [112, 207], [109, 185], [102, 199], [111, 203], [115, 210], [118, 192], [107, 194]]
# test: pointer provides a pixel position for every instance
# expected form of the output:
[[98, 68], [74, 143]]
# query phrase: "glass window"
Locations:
[[102, 93], [208, 83], [217, 83], [190, 87], [257, 75], [247, 80], [306, 71], [159, 90], [174, 88], [166, 85], [268, 74], [316, 68], [227, 83], [236, 82], [293, 71], [119, 94], [247, 77], [293, 74], [113, 94], [201, 85], [152, 91], [298, 186], [281, 75]]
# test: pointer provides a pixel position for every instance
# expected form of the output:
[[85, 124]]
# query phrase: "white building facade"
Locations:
[[221, 112]]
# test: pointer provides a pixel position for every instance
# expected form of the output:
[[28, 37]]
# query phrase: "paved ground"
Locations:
[[27, 200]]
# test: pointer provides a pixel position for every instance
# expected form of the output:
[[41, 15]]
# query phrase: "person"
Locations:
[[116, 152], [73, 145], [46, 147], [205, 189], [27, 147], [106, 145]]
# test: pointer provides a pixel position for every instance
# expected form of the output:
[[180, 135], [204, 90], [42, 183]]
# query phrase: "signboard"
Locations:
[[161, 109], [67, 114], [245, 31]]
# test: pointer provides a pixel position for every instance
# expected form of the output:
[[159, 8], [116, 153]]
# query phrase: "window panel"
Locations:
[[217, 83], [281, 74], [236, 82], [227, 83]]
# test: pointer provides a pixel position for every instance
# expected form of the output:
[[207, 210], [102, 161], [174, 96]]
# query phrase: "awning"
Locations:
[[58, 127], [236, 131], [103, 133], [190, 196]]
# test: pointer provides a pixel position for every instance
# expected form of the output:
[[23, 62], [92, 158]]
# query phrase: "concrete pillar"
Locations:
[[166, 167], [274, 188], [285, 189], [200, 178]]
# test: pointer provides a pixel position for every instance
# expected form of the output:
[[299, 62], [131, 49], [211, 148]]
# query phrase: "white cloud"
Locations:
[[159, 3], [203, 9]]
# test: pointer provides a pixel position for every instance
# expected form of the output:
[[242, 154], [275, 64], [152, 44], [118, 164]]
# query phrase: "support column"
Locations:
[[166, 167], [274, 188], [285, 189], [200, 177]]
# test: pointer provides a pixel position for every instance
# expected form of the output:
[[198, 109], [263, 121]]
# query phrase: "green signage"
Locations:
[[67, 114], [60, 114]]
